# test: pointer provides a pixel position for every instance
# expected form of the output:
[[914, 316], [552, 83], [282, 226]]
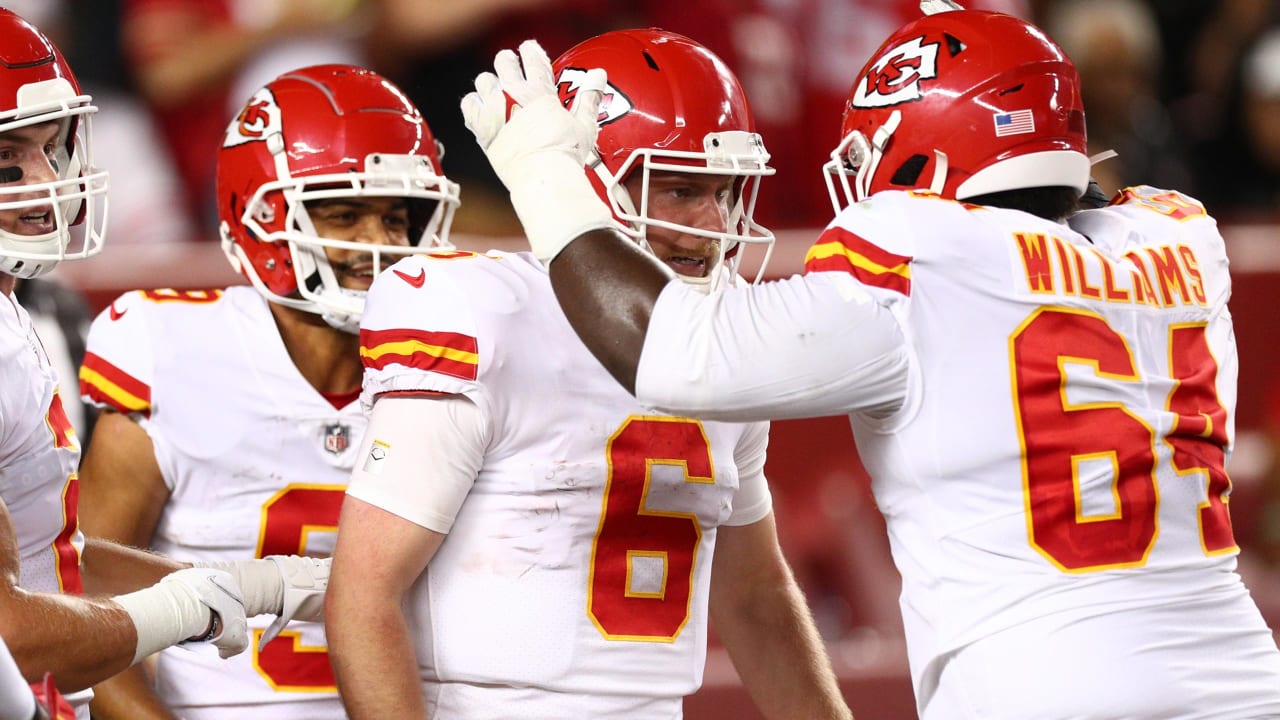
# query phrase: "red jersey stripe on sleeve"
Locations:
[[447, 353], [839, 250], [105, 384]]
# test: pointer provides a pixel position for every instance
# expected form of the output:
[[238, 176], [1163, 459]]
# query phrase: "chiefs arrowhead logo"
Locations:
[[258, 120], [895, 77], [114, 313], [613, 103], [414, 280]]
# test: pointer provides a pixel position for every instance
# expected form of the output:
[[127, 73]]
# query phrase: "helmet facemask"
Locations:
[[432, 200], [859, 158], [79, 194], [737, 154]]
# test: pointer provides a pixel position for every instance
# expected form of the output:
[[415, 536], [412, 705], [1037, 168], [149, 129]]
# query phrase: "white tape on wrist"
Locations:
[[164, 614], [556, 203]]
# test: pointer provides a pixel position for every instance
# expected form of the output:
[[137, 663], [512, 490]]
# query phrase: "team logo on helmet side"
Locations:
[[613, 103], [259, 119], [895, 78]]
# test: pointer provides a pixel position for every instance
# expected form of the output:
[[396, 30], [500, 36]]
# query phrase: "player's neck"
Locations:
[[7, 283], [329, 359]]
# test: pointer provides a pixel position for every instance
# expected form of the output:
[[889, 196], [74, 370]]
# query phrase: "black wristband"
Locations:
[[215, 627]]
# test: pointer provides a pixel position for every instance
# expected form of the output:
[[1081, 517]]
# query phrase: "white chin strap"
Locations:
[[879, 141], [347, 322], [939, 172]]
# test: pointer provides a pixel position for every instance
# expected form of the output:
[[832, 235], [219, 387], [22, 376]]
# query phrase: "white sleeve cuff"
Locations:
[[420, 457]]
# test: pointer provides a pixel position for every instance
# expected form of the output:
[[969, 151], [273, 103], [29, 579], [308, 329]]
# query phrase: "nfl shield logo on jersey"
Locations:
[[337, 437]]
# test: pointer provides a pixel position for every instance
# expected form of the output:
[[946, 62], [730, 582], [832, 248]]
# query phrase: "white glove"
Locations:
[[192, 605], [540, 149], [291, 587], [305, 581]]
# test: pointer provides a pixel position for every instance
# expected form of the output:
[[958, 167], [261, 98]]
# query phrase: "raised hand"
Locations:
[[539, 148]]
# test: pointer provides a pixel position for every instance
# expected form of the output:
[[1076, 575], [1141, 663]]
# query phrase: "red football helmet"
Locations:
[[671, 105], [323, 132], [37, 86], [963, 103]]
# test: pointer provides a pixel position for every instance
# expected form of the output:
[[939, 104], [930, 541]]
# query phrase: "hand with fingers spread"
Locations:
[[537, 147]]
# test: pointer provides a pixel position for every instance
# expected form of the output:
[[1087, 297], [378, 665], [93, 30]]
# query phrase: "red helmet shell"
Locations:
[[27, 57], [665, 92], [320, 120], [984, 89]]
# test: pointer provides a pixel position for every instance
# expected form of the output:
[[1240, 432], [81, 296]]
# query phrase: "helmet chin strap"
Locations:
[[344, 321], [939, 172], [879, 141]]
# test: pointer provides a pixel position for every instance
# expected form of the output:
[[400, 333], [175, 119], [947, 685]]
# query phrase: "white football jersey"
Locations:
[[1060, 459], [1055, 481], [1046, 413], [575, 579], [39, 455], [256, 461]]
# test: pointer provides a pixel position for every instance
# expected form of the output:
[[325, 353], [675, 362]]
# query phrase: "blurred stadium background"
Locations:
[[1188, 92]]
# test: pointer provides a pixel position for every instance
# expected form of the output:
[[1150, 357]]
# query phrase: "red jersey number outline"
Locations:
[[630, 533], [287, 518], [1057, 436], [66, 553]]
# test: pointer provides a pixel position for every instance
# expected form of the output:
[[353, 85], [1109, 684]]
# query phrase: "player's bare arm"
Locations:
[[122, 491], [64, 622], [122, 494], [50, 632], [378, 558], [762, 618], [607, 287]]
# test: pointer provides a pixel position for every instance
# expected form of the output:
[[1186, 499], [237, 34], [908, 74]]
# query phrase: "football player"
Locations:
[[520, 536], [1043, 397], [231, 416], [47, 185]]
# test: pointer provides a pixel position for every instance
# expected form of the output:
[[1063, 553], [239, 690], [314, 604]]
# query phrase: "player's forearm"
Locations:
[[50, 633], [776, 649], [128, 696], [113, 569], [607, 287], [373, 659]]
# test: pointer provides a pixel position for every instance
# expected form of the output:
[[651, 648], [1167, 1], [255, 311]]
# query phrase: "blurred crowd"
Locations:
[[1186, 92]]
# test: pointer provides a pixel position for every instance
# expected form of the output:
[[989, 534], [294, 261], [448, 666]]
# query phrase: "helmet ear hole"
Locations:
[[909, 172]]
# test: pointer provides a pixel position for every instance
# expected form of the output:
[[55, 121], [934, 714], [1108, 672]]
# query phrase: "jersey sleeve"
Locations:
[[119, 366], [806, 346], [417, 334], [830, 342], [753, 500], [420, 458], [869, 243]]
